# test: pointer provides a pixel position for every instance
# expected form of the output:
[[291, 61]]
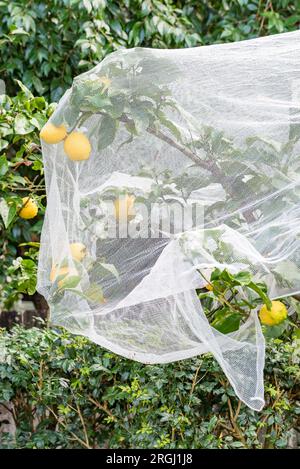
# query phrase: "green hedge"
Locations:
[[69, 393], [45, 44]]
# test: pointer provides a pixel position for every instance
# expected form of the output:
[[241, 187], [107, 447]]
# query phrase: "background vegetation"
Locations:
[[69, 393], [46, 44], [47, 376]]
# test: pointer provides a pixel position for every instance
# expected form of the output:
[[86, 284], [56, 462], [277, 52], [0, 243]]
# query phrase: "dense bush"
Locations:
[[45, 44], [67, 392]]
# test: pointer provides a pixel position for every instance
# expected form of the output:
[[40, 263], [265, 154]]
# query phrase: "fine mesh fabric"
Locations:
[[212, 131]]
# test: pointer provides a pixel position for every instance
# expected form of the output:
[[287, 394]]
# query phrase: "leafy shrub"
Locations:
[[45, 44], [68, 393], [21, 173]]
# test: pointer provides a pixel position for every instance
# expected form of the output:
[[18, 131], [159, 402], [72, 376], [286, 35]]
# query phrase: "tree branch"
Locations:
[[208, 165]]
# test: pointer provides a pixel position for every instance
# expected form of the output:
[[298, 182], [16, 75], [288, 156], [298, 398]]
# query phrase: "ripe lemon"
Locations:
[[30, 208], [66, 272], [52, 134], [77, 146], [273, 316], [78, 251], [124, 208]]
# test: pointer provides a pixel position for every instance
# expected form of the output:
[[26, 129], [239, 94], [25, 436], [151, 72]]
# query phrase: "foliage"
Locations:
[[68, 393], [46, 44], [21, 173]]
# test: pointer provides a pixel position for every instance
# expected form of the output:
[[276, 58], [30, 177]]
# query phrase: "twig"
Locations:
[[234, 424], [83, 424], [59, 421], [237, 410], [194, 380], [107, 411]]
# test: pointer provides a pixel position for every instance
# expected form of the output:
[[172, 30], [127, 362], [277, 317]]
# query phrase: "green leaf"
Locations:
[[262, 294], [7, 212], [22, 125], [31, 243], [39, 103], [226, 321], [68, 281], [24, 89], [117, 108], [38, 165], [169, 124], [140, 116], [96, 103], [107, 132], [272, 332], [16, 179], [98, 367], [94, 293], [110, 268], [296, 333], [3, 144], [19, 31], [243, 278], [3, 166]]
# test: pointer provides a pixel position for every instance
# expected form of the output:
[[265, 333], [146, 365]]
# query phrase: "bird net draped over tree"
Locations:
[[161, 166]]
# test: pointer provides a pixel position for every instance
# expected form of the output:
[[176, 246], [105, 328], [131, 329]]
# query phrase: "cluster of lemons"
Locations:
[[76, 145], [78, 252], [77, 148], [268, 316], [124, 210]]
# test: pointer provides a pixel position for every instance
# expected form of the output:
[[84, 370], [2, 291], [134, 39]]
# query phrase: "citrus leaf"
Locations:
[[94, 293], [3, 144], [69, 281], [7, 212], [226, 321], [22, 125], [3, 165], [110, 268], [107, 132]]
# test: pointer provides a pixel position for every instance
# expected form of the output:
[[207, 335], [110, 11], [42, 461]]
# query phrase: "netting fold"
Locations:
[[160, 166]]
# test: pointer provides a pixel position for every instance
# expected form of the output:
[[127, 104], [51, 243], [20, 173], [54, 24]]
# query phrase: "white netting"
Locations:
[[212, 131]]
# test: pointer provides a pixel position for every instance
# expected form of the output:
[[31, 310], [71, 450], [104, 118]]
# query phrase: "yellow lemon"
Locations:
[[64, 272], [52, 134], [78, 251], [29, 209], [124, 208], [273, 316], [77, 146]]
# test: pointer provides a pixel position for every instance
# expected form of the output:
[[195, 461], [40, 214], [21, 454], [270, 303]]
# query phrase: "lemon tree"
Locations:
[[22, 192], [138, 110]]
